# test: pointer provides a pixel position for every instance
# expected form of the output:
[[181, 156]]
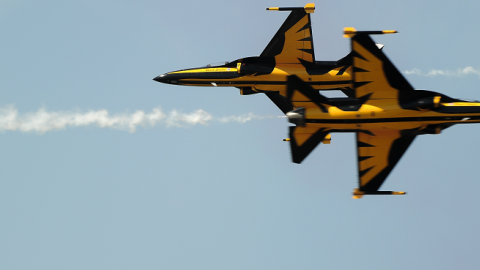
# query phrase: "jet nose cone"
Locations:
[[161, 78]]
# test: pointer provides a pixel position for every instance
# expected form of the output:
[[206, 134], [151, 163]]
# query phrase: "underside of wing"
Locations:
[[378, 152], [373, 72], [279, 100], [293, 42]]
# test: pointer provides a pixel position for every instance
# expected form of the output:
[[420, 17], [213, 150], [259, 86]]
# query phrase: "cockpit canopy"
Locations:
[[223, 64], [218, 64]]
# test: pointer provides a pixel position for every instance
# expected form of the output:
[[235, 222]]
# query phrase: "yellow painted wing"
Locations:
[[304, 139], [378, 152], [293, 42], [373, 73]]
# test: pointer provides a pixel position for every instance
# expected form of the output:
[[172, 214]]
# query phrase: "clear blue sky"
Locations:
[[222, 196]]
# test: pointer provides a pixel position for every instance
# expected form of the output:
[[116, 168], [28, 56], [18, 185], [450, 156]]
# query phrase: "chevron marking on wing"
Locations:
[[303, 134], [298, 44], [369, 76], [373, 153]]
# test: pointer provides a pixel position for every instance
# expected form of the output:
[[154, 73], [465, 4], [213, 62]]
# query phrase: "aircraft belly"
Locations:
[[352, 127], [274, 81], [372, 119]]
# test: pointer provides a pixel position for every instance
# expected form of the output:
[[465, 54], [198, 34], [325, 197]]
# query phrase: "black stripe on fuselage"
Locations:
[[261, 82], [204, 75], [459, 109], [393, 120]]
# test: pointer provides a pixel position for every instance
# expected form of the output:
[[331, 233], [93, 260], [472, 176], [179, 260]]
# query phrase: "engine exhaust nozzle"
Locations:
[[297, 116]]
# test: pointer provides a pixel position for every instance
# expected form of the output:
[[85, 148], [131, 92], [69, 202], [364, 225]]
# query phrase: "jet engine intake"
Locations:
[[247, 91], [427, 103], [327, 139], [251, 68], [247, 69], [431, 129], [256, 65]]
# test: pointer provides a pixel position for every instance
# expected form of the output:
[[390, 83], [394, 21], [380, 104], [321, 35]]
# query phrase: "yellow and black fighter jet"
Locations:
[[290, 52], [386, 114]]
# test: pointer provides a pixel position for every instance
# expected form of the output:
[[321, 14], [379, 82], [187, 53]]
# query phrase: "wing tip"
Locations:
[[358, 194], [308, 8], [349, 32]]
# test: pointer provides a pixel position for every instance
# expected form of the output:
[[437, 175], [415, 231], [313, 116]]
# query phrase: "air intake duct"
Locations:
[[427, 103]]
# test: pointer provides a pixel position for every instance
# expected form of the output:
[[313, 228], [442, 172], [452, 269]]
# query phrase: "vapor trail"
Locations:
[[449, 73], [42, 120]]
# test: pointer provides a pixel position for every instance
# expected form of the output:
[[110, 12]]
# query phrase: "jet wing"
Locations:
[[373, 73], [378, 152], [303, 140], [293, 43], [375, 77]]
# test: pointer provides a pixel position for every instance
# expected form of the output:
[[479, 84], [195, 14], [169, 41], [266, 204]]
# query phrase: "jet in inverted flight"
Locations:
[[290, 52], [386, 114]]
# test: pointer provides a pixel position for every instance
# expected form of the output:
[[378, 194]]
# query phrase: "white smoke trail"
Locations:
[[449, 73], [245, 118], [43, 120]]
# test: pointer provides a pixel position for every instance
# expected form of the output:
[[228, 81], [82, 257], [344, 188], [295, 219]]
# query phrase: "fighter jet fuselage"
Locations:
[[386, 113], [262, 74], [290, 52], [383, 110]]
